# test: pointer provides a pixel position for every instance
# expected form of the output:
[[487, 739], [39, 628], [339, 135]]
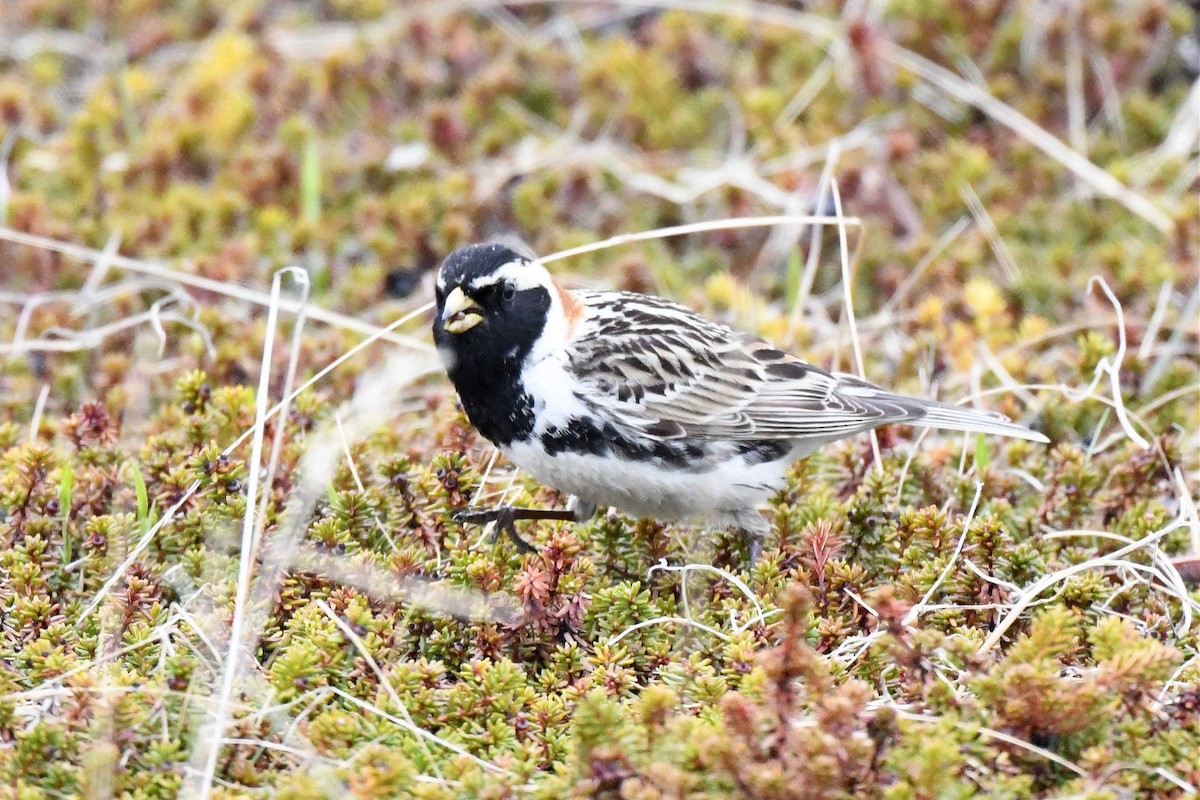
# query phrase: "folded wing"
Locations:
[[670, 373]]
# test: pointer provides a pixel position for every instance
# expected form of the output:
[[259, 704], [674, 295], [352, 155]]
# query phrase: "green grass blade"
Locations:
[[66, 483], [982, 454], [143, 499], [310, 180], [791, 284]]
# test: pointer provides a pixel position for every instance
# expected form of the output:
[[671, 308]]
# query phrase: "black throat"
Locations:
[[484, 364], [494, 398]]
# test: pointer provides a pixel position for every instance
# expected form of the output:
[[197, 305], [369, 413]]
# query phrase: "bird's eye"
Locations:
[[508, 292]]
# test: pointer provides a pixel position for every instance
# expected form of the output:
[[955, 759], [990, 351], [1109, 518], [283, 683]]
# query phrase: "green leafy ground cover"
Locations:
[[939, 617]]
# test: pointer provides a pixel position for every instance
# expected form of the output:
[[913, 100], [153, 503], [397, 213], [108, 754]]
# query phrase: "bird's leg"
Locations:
[[753, 528], [506, 518]]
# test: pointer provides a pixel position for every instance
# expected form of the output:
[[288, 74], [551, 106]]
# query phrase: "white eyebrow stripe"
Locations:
[[520, 274], [524, 275], [485, 280]]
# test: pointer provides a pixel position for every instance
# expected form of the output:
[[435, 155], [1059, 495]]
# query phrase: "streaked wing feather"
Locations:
[[670, 373]]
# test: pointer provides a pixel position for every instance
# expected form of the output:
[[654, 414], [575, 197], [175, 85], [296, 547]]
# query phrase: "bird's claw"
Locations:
[[479, 517], [505, 518]]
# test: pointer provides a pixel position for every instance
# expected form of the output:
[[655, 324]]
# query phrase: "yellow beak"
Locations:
[[459, 315]]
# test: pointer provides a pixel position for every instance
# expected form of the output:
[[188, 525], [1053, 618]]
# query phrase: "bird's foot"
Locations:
[[506, 518], [755, 545], [754, 529]]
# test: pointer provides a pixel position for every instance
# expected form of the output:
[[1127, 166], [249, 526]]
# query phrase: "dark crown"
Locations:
[[475, 260]]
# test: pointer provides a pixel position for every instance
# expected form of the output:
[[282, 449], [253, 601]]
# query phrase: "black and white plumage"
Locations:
[[629, 400]]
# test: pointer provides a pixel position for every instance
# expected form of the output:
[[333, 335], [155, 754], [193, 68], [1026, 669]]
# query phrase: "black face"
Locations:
[[484, 345]]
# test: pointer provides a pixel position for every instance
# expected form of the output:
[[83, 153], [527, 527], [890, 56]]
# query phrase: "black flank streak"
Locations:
[[586, 436], [589, 437], [762, 452], [579, 436]]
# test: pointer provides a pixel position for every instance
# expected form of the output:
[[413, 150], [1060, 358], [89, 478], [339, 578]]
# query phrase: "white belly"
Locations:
[[723, 494], [726, 492]]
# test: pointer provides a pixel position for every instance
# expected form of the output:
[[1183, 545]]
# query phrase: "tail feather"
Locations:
[[932, 414], [952, 418]]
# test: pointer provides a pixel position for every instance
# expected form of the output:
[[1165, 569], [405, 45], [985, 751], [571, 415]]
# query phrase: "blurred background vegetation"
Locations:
[[159, 162]]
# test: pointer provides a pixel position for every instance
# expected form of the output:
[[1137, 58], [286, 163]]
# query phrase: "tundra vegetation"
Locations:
[[227, 564]]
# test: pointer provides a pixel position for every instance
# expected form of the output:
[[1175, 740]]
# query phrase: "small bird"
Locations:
[[628, 400]]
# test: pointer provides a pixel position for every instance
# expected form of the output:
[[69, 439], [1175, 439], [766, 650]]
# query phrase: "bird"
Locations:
[[627, 400]]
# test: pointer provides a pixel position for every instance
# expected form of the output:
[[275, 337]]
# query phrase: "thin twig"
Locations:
[[699, 227], [916, 610], [233, 660], [848, 306], [219, 287]]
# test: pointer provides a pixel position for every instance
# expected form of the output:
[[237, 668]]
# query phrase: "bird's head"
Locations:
[[493, 307]]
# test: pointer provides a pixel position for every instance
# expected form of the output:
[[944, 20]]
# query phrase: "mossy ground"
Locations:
[[391, 653]]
